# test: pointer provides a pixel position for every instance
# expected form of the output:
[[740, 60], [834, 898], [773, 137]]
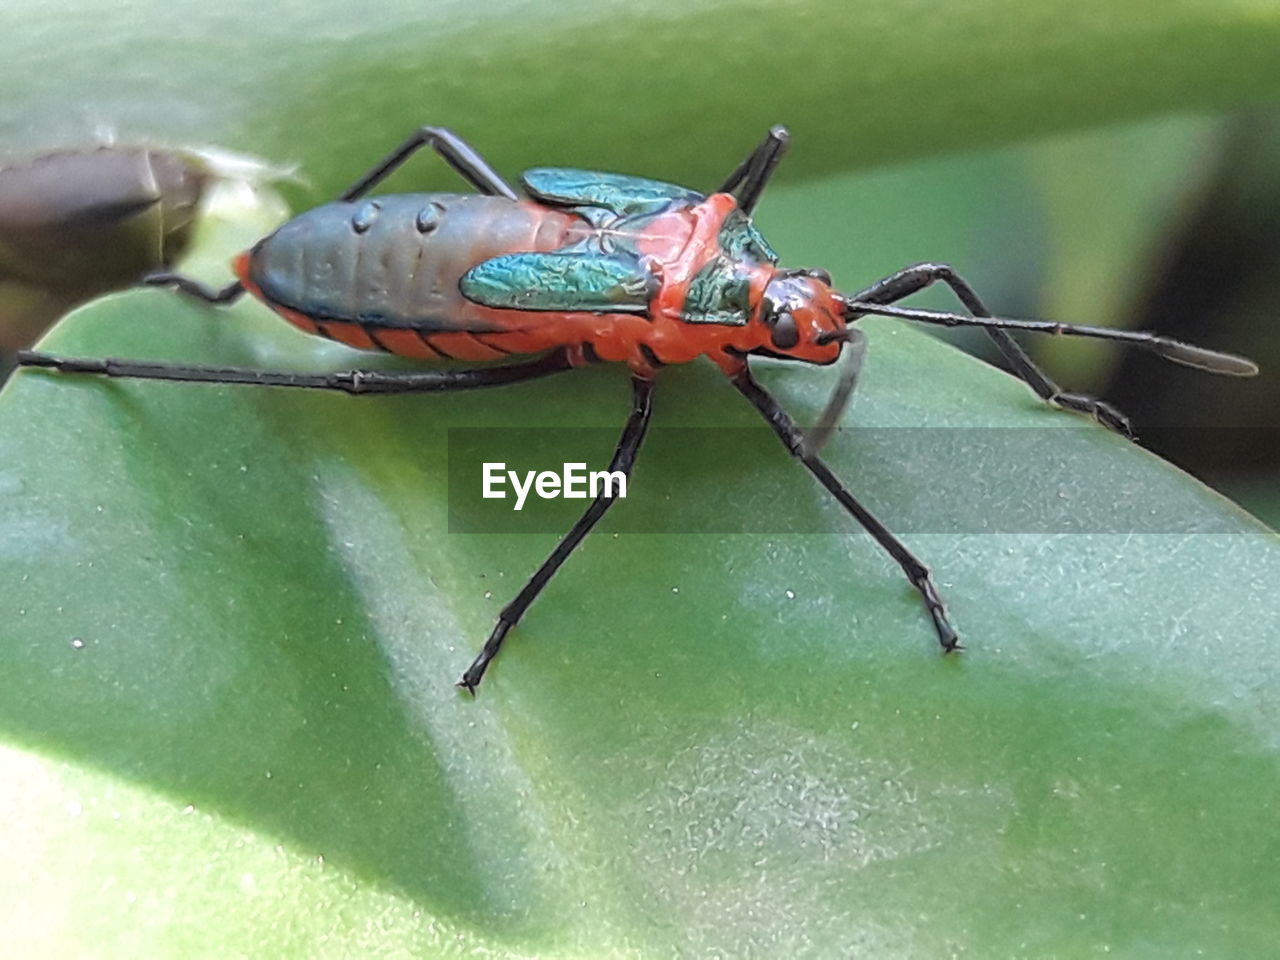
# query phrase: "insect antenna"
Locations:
[[1175, 350]]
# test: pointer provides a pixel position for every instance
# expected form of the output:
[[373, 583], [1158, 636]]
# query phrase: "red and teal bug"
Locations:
[[588, 267]]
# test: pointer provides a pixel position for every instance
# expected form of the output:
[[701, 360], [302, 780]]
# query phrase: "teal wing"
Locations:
[[625, 196], [605, 283]]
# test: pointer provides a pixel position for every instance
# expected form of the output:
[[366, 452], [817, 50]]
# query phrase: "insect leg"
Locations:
[[748, 179], [793, 439], [453, 149], [193, 288], [623, 459], [348, 381], [914, 279]]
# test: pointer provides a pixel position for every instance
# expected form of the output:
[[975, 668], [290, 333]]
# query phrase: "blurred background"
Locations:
[[1119, 180]]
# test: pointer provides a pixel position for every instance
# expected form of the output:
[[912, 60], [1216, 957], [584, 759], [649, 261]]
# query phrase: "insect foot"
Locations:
[[1099, 410]]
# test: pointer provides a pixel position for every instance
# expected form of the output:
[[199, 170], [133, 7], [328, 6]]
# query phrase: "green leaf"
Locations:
[[232, 618]]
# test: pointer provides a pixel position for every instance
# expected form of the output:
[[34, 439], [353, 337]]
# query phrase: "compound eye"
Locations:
[[785, 332], [819, 274]]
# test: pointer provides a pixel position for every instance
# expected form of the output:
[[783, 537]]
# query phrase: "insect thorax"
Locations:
[[719, 292]]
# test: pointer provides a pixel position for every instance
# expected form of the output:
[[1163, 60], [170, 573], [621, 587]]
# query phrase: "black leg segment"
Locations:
[[914, 279], [623, 459], [194, 288], [794, 441], [749, 178], [455, 151], [363, 382]]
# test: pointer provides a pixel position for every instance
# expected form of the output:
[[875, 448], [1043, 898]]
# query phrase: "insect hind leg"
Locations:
[[194, 288], [359, 382], [913, 279]]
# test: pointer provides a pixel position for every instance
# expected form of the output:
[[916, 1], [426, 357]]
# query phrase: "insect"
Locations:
[[80, 221], [76, 223], [590, 267], [91, 219]]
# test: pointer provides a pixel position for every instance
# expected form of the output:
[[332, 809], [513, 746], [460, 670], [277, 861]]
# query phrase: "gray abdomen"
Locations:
[[395, 260]]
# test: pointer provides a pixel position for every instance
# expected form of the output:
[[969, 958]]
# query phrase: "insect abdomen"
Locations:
[[383, 273]]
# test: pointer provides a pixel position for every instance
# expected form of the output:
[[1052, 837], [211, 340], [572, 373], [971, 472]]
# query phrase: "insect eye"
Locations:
[[785, 332], [820, 274]]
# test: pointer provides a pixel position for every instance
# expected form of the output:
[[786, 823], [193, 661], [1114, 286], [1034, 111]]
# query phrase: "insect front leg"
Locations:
[[365, 382], [455, 151], [904, 283], [794, 440], [748, 180], [623, 459]]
